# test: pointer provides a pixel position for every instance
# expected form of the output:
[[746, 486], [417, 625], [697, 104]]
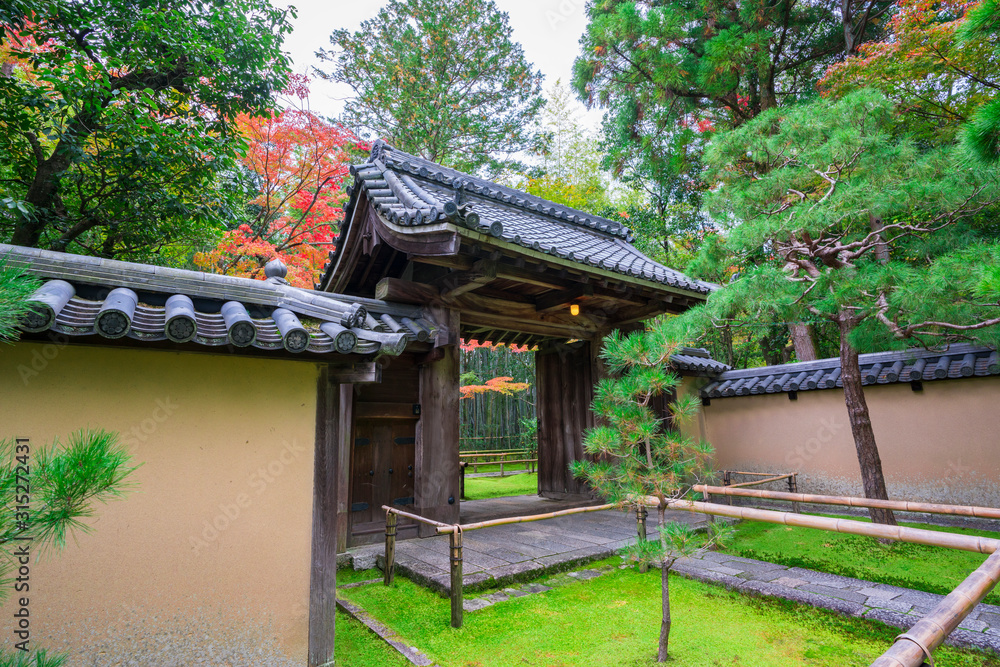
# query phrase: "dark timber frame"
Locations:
[[486, 263]]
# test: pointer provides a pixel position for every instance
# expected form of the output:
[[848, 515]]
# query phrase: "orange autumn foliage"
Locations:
[[500, 385], [298, 162]]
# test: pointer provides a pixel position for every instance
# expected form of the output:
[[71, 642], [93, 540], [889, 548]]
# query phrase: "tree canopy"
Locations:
[[442, 79], [117, 119], [295, 163]]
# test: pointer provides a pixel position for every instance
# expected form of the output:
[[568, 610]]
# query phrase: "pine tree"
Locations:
[[637, 456], [853, 224]]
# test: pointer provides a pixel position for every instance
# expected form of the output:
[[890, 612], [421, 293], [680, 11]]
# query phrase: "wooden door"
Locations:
[[382, 470]]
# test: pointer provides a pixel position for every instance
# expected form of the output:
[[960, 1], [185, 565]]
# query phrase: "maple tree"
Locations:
[[297, 163], [936, 80], [502, 385]]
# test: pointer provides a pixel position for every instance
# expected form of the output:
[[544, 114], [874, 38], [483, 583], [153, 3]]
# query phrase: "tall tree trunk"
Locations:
[[881, 248], [664, 588], [802, 341], [665, 622], [861, 424]]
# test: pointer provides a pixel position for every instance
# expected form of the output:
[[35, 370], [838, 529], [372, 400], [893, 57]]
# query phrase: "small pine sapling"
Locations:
[[65, 482], [638, 459]]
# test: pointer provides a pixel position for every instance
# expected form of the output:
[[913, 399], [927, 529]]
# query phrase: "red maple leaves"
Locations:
[[298, 162]]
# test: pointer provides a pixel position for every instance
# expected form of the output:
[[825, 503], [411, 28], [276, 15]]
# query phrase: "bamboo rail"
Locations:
[[444, 528], [847, 501], [983, 545], [761, 481], [917, 643], [792, 477]]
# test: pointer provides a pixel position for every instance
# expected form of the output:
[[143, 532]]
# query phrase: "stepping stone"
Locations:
[[534, 588], [475, 604], [514, 593], [584, 575]]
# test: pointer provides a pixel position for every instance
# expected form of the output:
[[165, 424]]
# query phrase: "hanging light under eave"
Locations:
[[574, 309]]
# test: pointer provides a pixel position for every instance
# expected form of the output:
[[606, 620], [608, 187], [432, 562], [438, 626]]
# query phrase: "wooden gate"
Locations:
[[383, 450]]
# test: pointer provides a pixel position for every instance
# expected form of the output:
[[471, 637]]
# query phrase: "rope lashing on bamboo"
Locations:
[[927, 654]]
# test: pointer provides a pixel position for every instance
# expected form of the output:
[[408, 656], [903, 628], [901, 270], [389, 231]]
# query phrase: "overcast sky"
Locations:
[[549, 31]]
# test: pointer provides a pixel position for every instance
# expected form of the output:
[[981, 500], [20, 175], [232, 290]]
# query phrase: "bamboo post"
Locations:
[[391, 521], [917, 643], [793, 487], [456, 579], [640, 519], [463, 465], [726, 481]]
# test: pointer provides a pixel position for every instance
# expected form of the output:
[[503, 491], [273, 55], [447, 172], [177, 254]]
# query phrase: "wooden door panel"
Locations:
[[362, 481], [403, 460]]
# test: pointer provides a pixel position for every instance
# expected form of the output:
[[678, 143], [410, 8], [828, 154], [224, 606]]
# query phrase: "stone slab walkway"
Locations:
[[502, 554]]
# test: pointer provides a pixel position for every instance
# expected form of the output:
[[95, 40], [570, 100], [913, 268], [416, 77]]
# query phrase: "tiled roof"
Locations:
[[696, 361], [88, 295], [959, 361], [410, 191]]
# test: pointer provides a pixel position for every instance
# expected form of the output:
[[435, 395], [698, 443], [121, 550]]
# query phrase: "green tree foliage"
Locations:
[[982, 135], [855, 225], [65, 482], [116, 119], [635, 457], [570, 170], [15, 288], [441, 79], [668, 71], [937, 80]]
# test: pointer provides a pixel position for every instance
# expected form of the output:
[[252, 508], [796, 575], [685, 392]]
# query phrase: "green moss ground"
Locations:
[[479, 488], [931, 569], [613, 621]]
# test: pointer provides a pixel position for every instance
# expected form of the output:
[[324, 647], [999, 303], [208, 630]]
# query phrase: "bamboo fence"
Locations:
[[910, 649], [848, 501]]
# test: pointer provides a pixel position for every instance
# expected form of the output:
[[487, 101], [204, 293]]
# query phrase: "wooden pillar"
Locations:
[[323, 572], [436, 471], [565, 386], [345, 439]]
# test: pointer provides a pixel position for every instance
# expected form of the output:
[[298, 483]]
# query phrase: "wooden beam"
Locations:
[[404, 291], [323, 573], [385, 410], [482, 273], [506, 323], [559, 299], [360, 373]]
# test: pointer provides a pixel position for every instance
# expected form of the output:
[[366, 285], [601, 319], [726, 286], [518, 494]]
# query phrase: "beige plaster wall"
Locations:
[[938, 445], [207, 560]]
